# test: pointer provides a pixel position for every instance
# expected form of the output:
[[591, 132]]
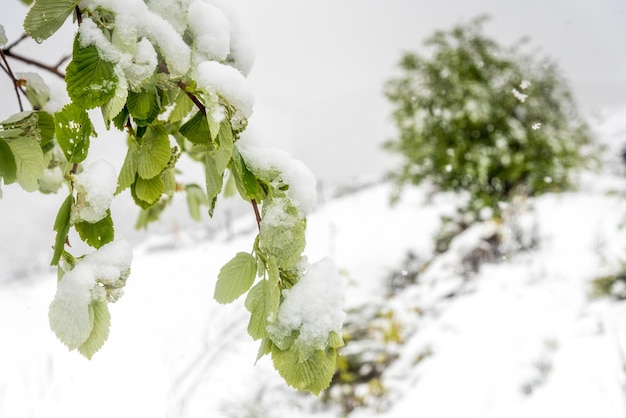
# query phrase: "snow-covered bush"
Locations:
[[478, 118], [172, 75]]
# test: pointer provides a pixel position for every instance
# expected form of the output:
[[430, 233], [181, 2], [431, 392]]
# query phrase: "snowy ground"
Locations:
[[519, 338]]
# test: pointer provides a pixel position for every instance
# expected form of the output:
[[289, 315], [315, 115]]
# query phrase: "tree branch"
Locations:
[[255, 206], [16, 84], [53, 69]]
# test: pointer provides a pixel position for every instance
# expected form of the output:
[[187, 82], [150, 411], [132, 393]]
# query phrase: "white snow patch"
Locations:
[[95, 188], [228, 82], [301, 181], [211, 30], [312, 305]]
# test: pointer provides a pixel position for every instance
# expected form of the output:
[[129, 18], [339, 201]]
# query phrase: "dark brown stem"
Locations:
[[16, 85], [193, 98], [255, 206], [13, 44], [79, 15], [53, 69]]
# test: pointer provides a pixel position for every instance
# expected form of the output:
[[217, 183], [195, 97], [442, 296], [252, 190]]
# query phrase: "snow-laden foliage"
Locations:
[[172, 75], [478, 118]]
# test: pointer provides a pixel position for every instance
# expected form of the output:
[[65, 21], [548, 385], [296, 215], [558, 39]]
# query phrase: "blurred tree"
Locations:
[[484, 119]]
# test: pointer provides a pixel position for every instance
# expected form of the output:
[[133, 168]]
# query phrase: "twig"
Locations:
[[255, 206], [13, 79], [53, 69]]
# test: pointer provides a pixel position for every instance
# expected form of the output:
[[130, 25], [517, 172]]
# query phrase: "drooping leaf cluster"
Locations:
[[169, 102], [474, 116]]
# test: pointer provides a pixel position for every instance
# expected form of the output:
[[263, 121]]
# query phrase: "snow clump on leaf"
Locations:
[[94, 279], [313, 307], [95, 188]]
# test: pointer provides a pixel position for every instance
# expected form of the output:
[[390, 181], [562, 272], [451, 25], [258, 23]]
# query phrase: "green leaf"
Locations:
[[195, 199], [29, 162], [100, 331], [265, 348], [214, 181], [36, 125], [62, 227], [182, 107], [226, 144], [90, 80], [45, 125], [144, 106], [283, 234], [196, 129], [248, 185], [255, 304], [154, 153], [128, 173], [335, 340], [8, 168], [114, 107], [45, 17], [169, 182], [152, 213], [272, 292], [73, 129], [97, 234], [235, 278], [148, 190], [312, 374]]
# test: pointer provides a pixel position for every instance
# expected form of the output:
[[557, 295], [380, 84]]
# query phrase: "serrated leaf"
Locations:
[[248, 185], [114, 107], [97, 234], [45, 125], [284, 235], [62, 228], [195, 199], [169, 182], [128, 173], [144, 106], [8, 168], [73, 129], [335, 340], [121, 119], [45, 17], [214, 181], [154, 152], [28, 161], [90, 80], [255, 304], [37, 125], [235, 278], [100, 331], [196, 129], [182, 107], [312, 374], [224, 152], [149, 190], [265, 348], [272, 292]]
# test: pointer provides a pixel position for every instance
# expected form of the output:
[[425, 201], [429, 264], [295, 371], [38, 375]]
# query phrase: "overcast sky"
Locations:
[[320, 68], [320, 65]]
